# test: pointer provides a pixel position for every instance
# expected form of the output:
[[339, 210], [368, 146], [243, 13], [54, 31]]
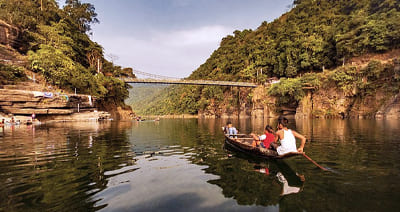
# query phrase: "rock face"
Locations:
[[323, 103], [23, 102], [233, 105], [118, 112], [332, 103], [8, 34], [263, 105], [391, 110], [305, 108]]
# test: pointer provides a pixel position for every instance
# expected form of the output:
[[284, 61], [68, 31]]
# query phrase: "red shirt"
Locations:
[[268, 140]]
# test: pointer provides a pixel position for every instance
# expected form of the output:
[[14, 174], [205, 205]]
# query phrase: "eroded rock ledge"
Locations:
[[49, 106]]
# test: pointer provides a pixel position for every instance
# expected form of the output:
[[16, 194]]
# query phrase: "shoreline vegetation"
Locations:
[[333, 59], [49, 46], [321, 59]]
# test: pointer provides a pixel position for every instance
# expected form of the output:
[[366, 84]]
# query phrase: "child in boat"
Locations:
[[287, 138], [229, 129], [264, 140]]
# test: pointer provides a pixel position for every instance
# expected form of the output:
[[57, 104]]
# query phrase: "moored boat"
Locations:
[[243, 143]]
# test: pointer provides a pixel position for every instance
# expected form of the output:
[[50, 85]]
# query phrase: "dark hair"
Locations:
[[284, 121], [229, 122], [269, 129]]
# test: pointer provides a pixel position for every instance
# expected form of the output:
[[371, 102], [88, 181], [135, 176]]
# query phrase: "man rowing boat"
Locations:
[[287, 138]]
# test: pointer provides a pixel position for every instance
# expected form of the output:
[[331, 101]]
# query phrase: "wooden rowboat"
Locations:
[[242, 143]]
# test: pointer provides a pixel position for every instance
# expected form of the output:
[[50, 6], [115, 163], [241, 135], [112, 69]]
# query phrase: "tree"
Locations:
[[82, 15]]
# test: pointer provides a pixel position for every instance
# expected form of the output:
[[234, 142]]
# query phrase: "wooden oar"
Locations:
[[315, 163]]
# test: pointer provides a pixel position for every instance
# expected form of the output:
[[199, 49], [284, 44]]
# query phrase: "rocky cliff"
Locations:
[[8, 34], [24, 102], [372, 94], [55, 106], [261, 105], [118, 112], [27, 97], [334, 104], [367, 87]]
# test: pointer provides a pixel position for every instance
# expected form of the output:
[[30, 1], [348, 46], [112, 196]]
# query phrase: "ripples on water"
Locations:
[[180, 165]]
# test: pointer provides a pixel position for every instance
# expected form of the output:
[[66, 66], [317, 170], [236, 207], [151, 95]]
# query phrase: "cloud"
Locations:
[[174, 53], [194, 37]]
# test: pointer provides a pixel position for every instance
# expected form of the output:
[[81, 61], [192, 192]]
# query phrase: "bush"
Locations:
[[288, 90], [311, 80], [373, 70], [11, 74], [344, 78]]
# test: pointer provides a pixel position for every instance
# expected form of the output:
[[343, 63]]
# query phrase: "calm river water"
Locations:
[[182, 165]]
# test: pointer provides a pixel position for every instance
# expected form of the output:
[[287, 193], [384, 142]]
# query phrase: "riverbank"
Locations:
[[365, 88], [87, 116], [41, 83], [48, 105], [171, 116]]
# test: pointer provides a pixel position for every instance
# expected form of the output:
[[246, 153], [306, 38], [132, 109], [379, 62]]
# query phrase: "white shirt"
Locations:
[[288, 143], [287, 189], [262, 137]]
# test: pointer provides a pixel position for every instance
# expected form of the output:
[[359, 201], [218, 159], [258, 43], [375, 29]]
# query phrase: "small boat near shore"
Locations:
[[242, 143]]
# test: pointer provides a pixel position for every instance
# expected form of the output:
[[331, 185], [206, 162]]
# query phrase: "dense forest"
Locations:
[[57, 44], [142, 95], [315, 35]]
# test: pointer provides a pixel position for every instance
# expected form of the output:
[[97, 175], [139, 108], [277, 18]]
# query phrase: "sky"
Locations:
[[174, 37]]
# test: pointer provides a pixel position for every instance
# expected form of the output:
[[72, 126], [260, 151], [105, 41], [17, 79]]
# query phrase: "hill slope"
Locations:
[[56, 45], [314, 35]]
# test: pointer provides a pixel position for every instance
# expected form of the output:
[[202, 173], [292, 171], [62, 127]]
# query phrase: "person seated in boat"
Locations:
[[226, 128], [265, 140], [287, 138], [230, 130]]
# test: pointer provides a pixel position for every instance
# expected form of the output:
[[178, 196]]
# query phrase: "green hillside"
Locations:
[[142, 97], [314, 35], [57, 44]]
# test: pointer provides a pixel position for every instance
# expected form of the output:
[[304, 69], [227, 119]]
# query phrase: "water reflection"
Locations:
[[182, 165], [255, 183], [56, 167], [291, 181]]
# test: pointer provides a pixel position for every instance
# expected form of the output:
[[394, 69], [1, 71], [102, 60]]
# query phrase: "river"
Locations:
[[182, 165]]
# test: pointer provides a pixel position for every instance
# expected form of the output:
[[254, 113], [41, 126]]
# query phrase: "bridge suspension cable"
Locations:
[[154, 76], [159, 79]]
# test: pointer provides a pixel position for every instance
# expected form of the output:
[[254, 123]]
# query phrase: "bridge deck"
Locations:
[[191, 82]]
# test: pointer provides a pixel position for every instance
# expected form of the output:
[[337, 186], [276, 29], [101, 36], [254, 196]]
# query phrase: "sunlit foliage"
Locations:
[[58, 46], [314, 35]]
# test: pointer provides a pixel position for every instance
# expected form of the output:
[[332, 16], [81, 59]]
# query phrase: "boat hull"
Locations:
[[243, 144]]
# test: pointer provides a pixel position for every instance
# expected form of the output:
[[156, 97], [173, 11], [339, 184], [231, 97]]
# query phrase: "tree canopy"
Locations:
[[313, 35], [58, 46]]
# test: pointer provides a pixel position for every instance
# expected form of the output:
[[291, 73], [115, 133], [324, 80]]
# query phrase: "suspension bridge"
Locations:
[[158, 79]]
